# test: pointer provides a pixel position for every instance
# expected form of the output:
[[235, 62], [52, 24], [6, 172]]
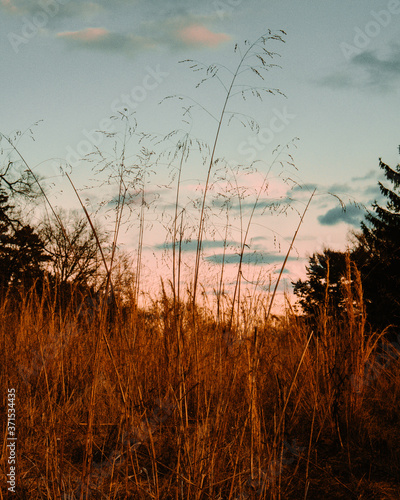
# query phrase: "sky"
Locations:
[[72, 67]]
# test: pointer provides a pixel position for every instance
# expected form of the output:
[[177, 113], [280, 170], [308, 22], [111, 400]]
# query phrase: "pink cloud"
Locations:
[[86, 35], [196, 34], [9, 6]]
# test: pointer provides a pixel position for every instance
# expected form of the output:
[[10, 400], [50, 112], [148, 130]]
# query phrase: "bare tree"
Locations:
[[72, 247], [16, 177]]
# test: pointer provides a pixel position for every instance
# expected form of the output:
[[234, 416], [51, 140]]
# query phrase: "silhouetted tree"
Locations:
[[16, 177], [323, 287], [379, 251], [72, 247], [375, 252], [22, 256]]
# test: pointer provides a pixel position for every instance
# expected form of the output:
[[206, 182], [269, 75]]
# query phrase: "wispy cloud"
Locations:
[[372, 174], [191, 246], [170, 25], [350, 215], [88, 35], [368, 69], [9, 6], [339, 80], [165, 35], [379, 67], [66, 8], [105, 40], [338, 189], [255, 258], [197, 34]]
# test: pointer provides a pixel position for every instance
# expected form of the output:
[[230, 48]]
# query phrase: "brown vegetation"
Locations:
[[168, 404]]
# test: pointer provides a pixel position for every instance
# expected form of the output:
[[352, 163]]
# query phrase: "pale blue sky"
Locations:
[[340, 73]]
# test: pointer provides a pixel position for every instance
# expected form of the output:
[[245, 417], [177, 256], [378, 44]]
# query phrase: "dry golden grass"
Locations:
[[155, 406]]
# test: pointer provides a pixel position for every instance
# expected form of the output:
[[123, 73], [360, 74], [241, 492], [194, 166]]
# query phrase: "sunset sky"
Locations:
[[73, 64]]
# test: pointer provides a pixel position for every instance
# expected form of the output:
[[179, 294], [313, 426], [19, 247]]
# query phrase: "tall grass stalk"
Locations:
[[287, 255], [244, 240], [262, 39]]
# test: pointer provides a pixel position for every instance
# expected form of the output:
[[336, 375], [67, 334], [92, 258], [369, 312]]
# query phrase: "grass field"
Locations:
[[168, 403]]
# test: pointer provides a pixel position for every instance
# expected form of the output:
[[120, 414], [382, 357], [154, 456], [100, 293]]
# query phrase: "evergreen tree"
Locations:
[[21, 251], [323, 287], [379, 250], [376, 253]]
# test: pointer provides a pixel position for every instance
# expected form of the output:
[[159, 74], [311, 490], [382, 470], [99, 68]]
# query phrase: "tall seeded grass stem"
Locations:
[[287, 256], [236, 293], [203, 205], [108, 271]]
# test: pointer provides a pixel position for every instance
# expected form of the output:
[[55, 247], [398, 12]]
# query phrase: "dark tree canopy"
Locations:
[[22, 256], [323, 288], [376, 254], [61, 252], [379, 247], [72, 248]]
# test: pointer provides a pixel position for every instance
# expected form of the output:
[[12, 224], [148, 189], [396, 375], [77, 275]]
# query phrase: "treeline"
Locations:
[[62, 251], [372, 263], [58, 252], [48, 249]]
